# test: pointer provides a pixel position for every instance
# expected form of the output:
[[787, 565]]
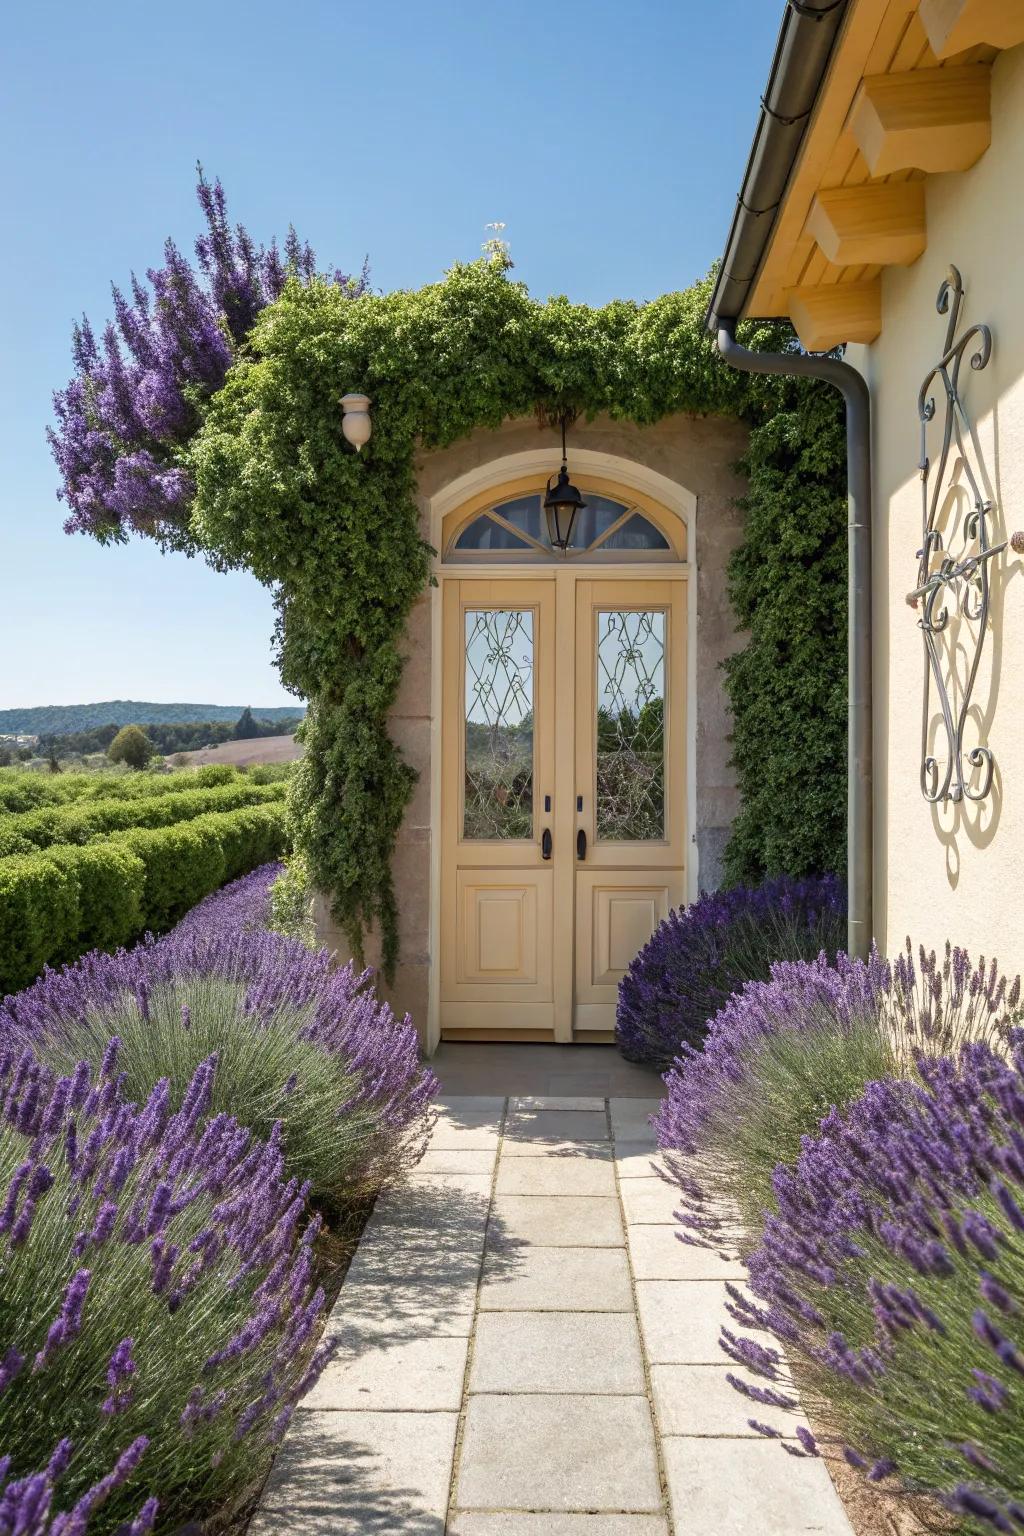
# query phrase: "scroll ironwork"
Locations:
[[953, 583]]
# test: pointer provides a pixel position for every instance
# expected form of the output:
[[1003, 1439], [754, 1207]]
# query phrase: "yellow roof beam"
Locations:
[[824, 317], [929, 120], [955, 25], [880, 224]]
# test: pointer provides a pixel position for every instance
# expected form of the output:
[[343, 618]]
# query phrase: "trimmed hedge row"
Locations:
[[23, 789], [59, 902], [82, 822]]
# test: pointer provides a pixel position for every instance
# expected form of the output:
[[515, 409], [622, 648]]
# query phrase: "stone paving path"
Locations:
[[525, 1349]]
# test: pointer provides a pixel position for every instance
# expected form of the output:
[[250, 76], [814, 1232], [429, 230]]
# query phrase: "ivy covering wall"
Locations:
[[275, 489], [787, 686]]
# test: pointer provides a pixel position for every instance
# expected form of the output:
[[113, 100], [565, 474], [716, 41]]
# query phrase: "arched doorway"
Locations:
[[563, 754]]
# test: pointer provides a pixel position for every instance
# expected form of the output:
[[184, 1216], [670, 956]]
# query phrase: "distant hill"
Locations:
[[51, 719]]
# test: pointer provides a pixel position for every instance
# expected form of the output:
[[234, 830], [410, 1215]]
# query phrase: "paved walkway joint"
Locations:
[[525, 1349]]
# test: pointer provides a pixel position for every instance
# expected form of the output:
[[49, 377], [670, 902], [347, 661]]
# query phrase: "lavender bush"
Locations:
[[158, 1306], [784, 1053], [893, 1272], [137, 396], [702, 953], [304, 1050]]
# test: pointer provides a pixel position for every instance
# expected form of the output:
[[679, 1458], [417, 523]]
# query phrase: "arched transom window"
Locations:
[[516, 529]]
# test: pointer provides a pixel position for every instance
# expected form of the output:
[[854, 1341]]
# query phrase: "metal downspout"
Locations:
[[858, 457]]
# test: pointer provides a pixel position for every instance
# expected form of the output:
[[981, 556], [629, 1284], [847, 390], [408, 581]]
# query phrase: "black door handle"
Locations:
[[545, 843], [581, 844]]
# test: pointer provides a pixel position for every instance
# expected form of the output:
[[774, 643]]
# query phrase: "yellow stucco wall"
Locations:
[[953, 872]]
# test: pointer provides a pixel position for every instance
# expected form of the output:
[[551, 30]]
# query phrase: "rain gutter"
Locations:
[[802, 56]]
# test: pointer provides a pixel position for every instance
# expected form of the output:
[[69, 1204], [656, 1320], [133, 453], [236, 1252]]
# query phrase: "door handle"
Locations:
[[545, 843], [581, 844]]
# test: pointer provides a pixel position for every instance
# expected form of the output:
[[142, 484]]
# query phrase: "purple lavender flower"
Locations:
[[119, 1378], [702, 953], [371, 1129], [212, 1185], [137, 396], [68, 1321], [798, 995], [850, 1272]]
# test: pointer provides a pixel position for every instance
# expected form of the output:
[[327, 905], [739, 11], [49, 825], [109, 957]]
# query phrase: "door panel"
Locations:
[[616, 913], [631, 775], [563, 793], [501, 925], [497, 767]]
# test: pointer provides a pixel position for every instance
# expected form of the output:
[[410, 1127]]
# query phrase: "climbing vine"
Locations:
[[787, 686], [275, 489], [279, 492]]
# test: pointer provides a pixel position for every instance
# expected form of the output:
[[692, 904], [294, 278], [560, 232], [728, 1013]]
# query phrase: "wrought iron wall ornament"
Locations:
[[953, 583]]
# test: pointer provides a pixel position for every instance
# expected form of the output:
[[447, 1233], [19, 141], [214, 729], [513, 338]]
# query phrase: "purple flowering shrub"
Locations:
[[893, 1273], [304, 1050], [703, 953], [784, 1053], [138, 395], [158, 1303]]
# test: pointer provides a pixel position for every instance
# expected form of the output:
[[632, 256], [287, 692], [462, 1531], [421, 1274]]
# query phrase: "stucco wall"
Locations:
[[696, 453], [953, 872]]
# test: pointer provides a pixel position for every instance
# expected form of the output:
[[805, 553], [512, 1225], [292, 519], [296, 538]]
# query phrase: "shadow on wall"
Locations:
[[970, 654]]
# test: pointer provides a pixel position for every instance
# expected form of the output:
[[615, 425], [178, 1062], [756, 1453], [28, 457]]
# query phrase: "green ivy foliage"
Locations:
[[279, 492], [787, 686]]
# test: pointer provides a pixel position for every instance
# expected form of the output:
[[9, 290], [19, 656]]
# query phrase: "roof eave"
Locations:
[[803, 53]]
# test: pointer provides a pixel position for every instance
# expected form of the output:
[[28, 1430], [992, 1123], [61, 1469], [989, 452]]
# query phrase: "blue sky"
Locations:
[[610, 138]]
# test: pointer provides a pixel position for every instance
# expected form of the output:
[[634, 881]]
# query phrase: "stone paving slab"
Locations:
[[698, 1400], [594, 1352], [434, 1207], [553, 1130], [460, 1105], [459, 1160], [556, 1176], [637, 1159], [558, 1453], [682, 1320], [469, 1125], [557, 1525], [650, 1201], [657, 1254], [631, 1118], [521, 1102], [557, 1280], [350, 1474], [556, 1221], [738, 1487], [408, 1294], [588, 1335], [391, 1375]]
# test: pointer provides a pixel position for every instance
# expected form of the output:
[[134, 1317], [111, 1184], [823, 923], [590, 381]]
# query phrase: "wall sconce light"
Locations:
[[355, 421]]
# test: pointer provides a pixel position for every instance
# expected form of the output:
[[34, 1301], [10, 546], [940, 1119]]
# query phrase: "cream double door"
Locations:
[[563, 794]]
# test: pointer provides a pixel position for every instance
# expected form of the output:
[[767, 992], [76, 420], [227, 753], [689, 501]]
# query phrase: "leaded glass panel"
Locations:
[[524, 513], [599, 514], [637, 532], [499, 724], [630, 804], [484, 533]]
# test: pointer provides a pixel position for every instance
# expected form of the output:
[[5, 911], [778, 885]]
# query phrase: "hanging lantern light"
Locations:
[[355, 420], [562, 502]]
